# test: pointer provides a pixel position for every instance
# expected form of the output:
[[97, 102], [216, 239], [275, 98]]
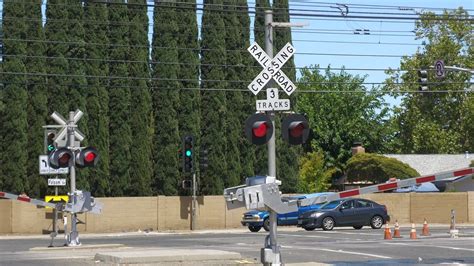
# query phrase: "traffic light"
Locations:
[[60, 158], [203, 159], [295, 129], [50, 146], [188, 143], [259, 128], [87, 157], [423, 80]]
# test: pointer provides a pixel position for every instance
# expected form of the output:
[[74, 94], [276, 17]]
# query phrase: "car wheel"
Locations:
[[309, 228], [254, 228], [266, 224], [376, 222], [328, 224], [358, 227]]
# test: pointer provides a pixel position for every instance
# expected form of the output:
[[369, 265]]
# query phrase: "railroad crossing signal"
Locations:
[[259, 128], [295, 129], [60, 158], [188, 145], [271, 68], [87, 157]]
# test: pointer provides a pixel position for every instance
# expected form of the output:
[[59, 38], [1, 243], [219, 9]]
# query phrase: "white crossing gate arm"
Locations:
[[386, 186], [27, 200]]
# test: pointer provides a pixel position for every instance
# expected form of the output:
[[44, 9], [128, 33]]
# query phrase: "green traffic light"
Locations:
[[188, 153], [50, 147]]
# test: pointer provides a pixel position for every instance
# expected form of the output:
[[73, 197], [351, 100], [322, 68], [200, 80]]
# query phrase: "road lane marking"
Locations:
[[446, 247], [341, 251], [310, 236], [348, 233]]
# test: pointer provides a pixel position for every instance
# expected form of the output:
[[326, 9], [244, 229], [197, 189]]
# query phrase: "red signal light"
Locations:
[[259, 129], [296, 129], [61, 158], [89, 157]]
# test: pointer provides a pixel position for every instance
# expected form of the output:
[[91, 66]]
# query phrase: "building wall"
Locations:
[[173, 213]]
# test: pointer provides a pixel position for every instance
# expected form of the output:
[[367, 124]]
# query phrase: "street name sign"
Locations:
[[44, 168], [56, 182], [273, 103], [271, 68]]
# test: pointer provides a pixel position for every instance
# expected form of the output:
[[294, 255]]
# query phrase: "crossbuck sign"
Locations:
[[271, 68]]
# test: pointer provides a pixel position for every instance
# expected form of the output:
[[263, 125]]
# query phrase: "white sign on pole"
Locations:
[[439, 69], [56, 182], [44, 168], [271, 68], [273, 103]]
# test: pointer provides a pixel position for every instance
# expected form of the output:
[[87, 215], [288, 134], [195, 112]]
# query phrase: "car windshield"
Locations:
[[331, 205]]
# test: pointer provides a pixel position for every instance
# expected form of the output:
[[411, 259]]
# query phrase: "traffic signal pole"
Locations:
[[271, 254], [73, 239]]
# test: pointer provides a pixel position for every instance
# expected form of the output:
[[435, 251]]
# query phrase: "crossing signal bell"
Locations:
[[61, 158], [259, 128], [295, 129], [188, 143], [423, 80], [87, 157]]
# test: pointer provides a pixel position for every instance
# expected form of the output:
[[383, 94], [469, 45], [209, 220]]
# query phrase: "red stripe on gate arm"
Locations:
[[464, 172], [387, 186], [2, 194], [23, 199], [349, 193], [425, 179]]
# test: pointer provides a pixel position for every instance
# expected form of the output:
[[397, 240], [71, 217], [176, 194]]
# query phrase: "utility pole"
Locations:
[[194, 204]]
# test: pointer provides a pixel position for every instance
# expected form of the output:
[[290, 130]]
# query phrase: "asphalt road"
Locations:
[[342, 246]]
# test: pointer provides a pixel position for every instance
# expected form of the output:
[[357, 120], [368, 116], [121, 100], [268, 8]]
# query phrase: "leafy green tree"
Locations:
[[377, 168], [37, 106], [213, 97], [119, 100], [57, 50], [165, 98], [95, 25], [14, 127], [313, 175], [234, 98], [245, 72], [341, 111], [77, 83], [188, 74], [438, 120], [141, 117]]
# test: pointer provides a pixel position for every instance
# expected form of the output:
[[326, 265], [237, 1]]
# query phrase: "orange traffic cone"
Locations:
[[387, 233], [396, 230], [426, 230], [413, 232]]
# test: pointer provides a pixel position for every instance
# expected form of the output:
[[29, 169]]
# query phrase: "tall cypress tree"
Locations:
[[57, 64], [119, 99], [261, 151], [165, 98], [247, 149], [287, 155], [77, 83], [14, 127], [97, 98], [213, 99], [37, 95], [188, 74], [234, 100], [141, 118]]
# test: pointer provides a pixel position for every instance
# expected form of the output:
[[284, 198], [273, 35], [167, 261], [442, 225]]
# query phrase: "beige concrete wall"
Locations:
[[124, 214], [436, 207], [211, 212], [398, 205], [5, 216], [174, 213], [470, 204]]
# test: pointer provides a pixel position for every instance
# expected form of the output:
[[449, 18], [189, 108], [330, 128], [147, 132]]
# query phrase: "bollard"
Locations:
[[452, 228]]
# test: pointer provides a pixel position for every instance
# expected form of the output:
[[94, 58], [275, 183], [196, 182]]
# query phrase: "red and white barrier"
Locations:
[[386, 186], [27, 199]]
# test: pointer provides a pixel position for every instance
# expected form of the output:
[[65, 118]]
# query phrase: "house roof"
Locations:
[[427, 164]]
